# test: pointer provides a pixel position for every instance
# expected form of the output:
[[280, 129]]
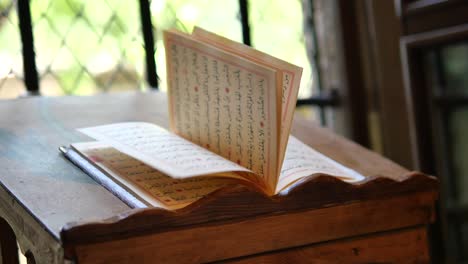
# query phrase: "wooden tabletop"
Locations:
[[55, 192]]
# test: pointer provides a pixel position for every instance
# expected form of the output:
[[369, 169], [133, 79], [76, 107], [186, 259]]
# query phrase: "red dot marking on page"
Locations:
[[261, 124], [196, 88], [96, 159], [227, 90]]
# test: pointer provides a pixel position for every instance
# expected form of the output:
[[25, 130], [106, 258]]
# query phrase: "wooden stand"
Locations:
[[57, 213], [237, 222]]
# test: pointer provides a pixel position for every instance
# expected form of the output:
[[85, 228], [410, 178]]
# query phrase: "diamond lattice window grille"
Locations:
[[11, 67], [84, 47], [221, 17], [269, 19]]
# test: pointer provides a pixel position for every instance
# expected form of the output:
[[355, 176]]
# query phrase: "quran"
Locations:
[[230, 113]]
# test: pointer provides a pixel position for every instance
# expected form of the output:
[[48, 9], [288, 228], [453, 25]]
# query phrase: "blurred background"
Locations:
[[85, 47], [390, 75]]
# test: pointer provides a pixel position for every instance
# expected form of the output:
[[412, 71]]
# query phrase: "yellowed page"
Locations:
[[301, 160], [288, 87], [224, 103], [162, 150], [150, 185]]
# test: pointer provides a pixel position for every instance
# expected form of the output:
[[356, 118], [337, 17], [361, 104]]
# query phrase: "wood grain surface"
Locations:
[[402, 246], [56, 194], [223, 240], [55, 191], [240, 203]]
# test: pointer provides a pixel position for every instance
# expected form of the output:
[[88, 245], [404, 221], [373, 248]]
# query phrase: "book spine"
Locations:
[[102, 179]]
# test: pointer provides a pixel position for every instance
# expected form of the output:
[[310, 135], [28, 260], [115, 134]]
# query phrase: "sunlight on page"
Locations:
[[289, 86], [164, 151], [224, 103], [301, 160], [147, 183]]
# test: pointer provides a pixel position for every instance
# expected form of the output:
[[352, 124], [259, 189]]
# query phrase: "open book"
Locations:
[[230, 110]]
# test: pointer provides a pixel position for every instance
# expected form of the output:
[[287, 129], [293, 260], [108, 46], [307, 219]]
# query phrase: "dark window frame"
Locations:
[[429, 126]]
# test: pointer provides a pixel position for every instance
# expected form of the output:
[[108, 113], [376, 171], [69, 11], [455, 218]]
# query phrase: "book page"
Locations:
[[301, 160], [162, 150], [146, 183], [288, 88], [224, 103]]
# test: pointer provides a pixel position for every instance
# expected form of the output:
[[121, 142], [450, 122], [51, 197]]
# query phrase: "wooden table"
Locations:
[[43, 196]]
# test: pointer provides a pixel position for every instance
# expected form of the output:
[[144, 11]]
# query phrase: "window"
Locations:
[[11, 67], [85, 47], [447, 82], [435, 53]]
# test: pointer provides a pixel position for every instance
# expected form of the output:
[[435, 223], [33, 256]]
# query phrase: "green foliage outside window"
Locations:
[[85, 47]]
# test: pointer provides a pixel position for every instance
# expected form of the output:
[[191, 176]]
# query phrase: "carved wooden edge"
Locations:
[[240, 202], [32, 237]]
